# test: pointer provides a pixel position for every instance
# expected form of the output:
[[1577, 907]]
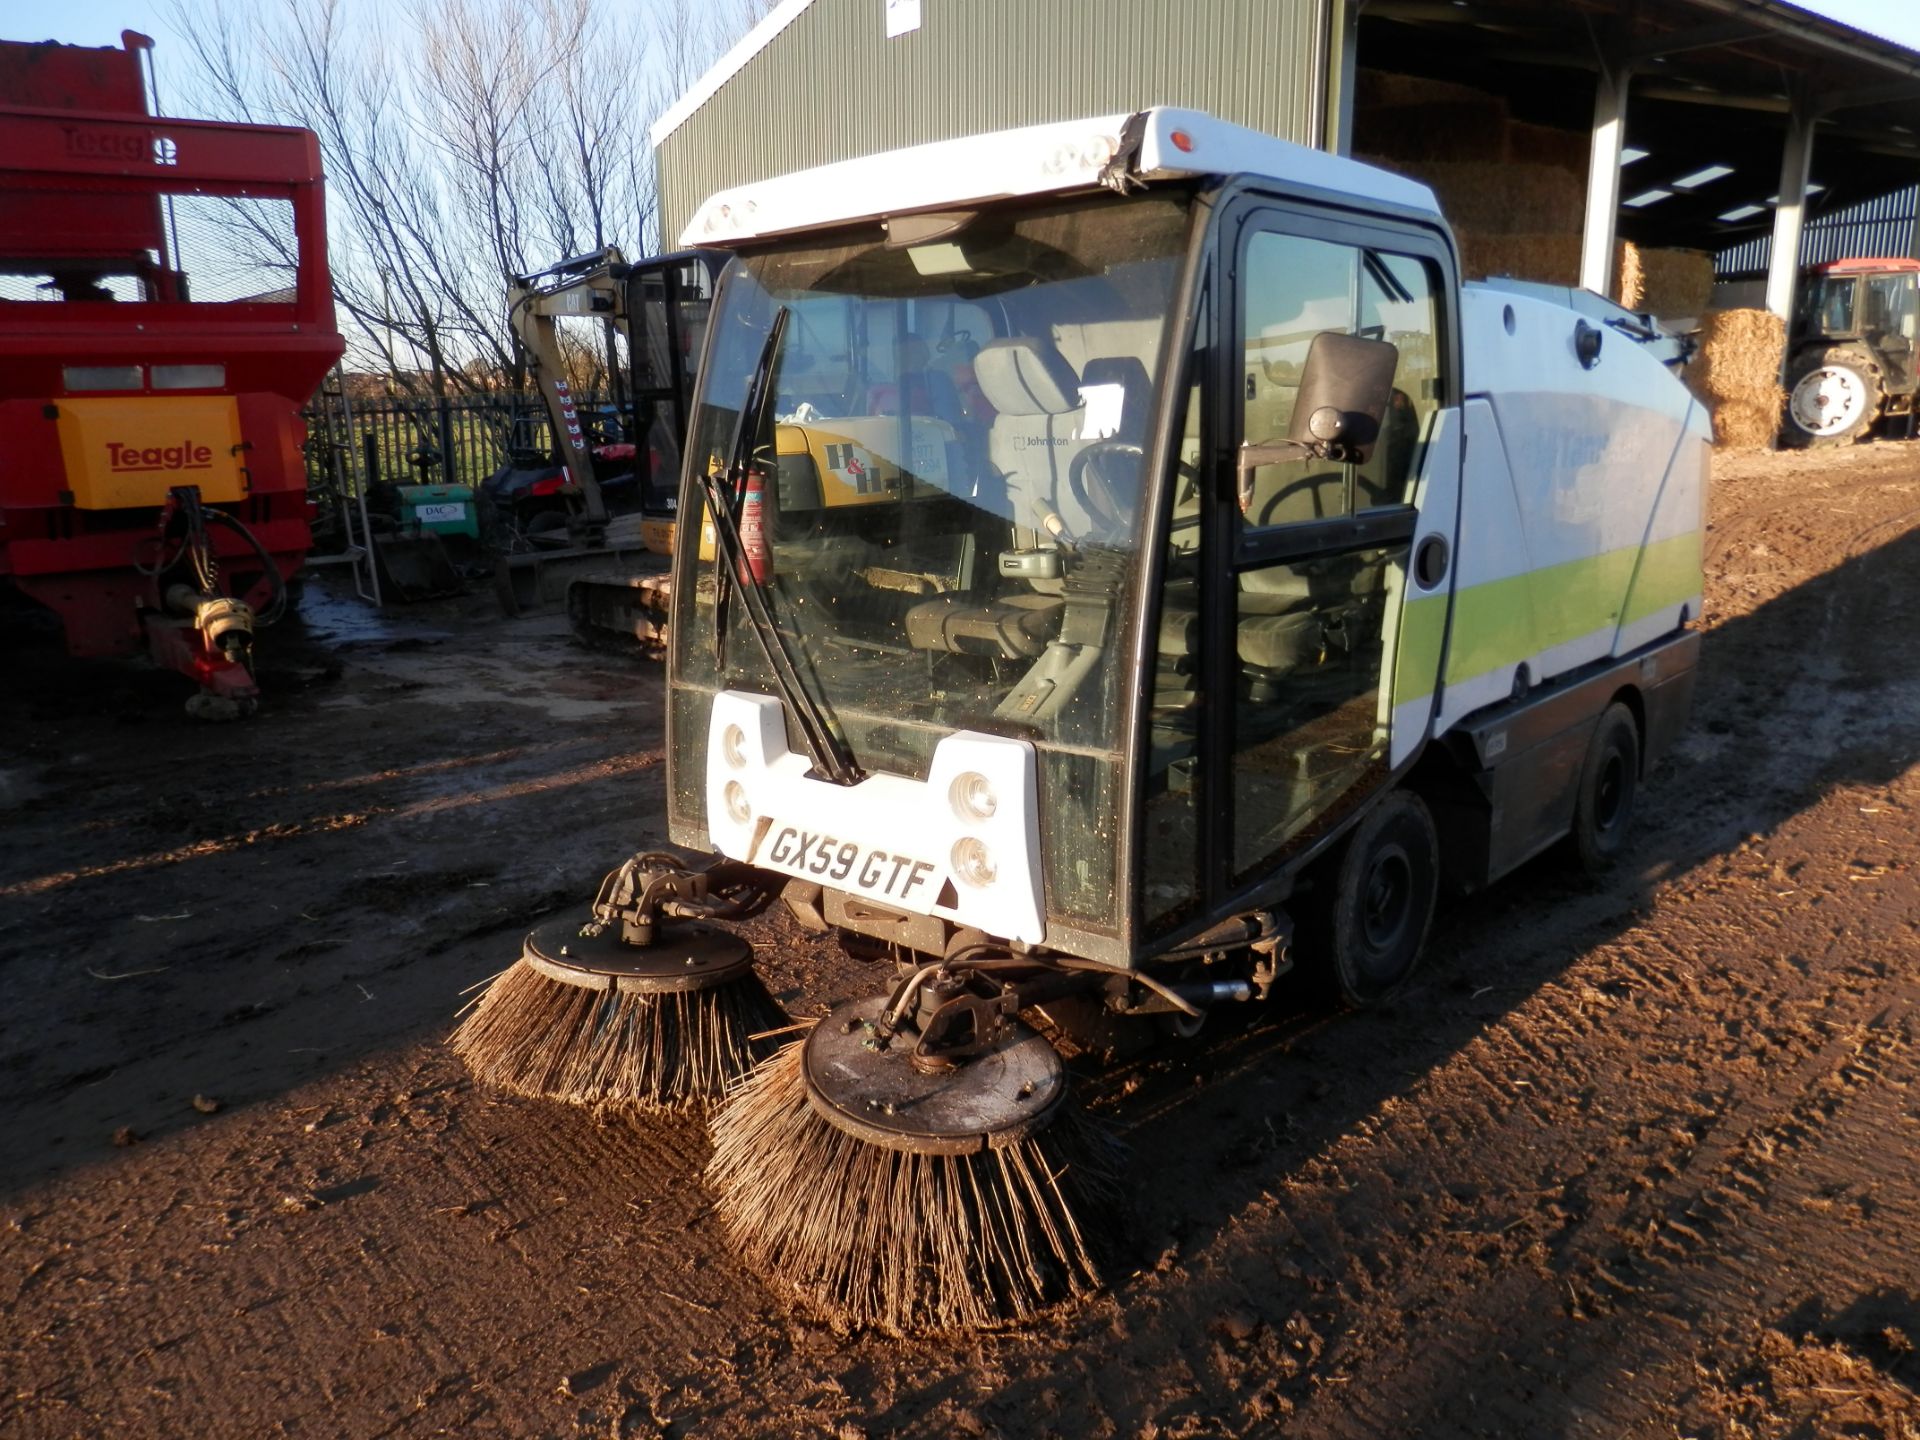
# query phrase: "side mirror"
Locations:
[[1345, 387]]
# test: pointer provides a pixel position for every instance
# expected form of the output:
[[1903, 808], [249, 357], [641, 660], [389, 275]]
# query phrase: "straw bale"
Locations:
[[1632, 282], [1736, 374], [1749, 424], [1462, 130], [1739, 355], [1502, 199], [1677, 282], [1552, 259], [1377, 88], [1548, 259], [1546, 145]]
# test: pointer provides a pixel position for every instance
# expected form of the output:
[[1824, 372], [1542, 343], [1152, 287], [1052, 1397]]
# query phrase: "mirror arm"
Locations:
[[1278, 452]]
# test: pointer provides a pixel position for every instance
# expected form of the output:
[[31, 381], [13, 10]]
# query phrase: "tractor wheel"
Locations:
[[1384, 887], [1833, 396]]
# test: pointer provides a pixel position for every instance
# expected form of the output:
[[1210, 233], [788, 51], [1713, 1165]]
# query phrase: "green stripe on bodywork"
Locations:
[[1502, 622]]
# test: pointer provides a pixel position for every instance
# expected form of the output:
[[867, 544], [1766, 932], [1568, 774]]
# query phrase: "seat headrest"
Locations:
[[1116, 392], [1024, 376]]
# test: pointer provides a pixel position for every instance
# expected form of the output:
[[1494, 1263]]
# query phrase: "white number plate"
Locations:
[[815, 855], [455, 510]]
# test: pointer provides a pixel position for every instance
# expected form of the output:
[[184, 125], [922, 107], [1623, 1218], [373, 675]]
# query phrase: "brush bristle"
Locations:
[[534, 1036], [906, 1243]]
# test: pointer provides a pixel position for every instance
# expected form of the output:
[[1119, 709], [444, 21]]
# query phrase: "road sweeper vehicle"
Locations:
[[165, 311], [1231, 579]]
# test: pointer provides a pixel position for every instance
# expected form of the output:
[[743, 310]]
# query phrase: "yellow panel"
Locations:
[[127, 453]]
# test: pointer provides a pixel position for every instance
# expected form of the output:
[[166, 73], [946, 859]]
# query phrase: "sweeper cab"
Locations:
[[165, 311], [1232, 579]]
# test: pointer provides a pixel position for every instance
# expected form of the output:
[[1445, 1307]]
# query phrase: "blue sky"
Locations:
[[99, 22]]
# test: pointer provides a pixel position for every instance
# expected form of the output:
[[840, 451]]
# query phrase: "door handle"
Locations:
[[1430, 561]]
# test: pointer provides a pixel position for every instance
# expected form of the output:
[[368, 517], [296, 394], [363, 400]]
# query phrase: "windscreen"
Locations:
[[945, 507], [1829, 305]]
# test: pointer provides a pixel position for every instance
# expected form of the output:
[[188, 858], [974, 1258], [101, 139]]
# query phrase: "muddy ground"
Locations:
[[1636, 1161]]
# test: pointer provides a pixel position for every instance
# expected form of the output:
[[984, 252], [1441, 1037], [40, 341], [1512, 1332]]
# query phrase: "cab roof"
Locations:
[[1866, 266], [1162, 143]]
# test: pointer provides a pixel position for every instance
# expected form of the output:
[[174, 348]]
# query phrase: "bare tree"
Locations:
[[464, 140]]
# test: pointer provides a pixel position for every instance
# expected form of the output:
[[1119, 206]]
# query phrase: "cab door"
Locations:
[[1310, 596], [668, 299]]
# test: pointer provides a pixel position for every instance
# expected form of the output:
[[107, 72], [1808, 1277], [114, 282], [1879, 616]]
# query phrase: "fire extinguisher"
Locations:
[[753, 530]]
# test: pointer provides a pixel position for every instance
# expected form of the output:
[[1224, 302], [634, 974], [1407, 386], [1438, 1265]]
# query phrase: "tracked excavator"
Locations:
[[611, 575]]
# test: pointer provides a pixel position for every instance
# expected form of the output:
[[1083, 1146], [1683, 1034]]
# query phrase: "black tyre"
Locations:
[[1609, 789], [1833, 396], [1384, 886]]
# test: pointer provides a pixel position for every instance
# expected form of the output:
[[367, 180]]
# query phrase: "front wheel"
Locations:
[[1383, 898], [1833, 399]]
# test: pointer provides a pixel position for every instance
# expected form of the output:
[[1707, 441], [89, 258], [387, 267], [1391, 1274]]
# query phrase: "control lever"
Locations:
[[1030, 564]]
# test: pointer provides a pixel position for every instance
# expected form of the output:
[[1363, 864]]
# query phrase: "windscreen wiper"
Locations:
[[829, 753]]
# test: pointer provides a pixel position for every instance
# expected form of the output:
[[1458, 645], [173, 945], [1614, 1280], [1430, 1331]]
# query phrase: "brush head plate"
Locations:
[[687, 956], [1009, 1091]]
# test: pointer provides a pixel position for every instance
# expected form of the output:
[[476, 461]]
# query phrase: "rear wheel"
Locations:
[[1609, 788], [1384, 889], [1833, 397]]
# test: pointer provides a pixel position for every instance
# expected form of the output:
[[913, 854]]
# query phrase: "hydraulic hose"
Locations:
[[277, 607]]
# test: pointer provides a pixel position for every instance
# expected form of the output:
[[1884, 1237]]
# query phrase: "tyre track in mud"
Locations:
[[1557, 1043], [1614, 1167]]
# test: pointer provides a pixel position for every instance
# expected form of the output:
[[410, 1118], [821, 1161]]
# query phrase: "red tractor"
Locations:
[[1851, 362], [165, 312]]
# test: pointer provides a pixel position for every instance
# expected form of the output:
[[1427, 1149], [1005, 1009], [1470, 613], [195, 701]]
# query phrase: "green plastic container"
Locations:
[[439, 510]]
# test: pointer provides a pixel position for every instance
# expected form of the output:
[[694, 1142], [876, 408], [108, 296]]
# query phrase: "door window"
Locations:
[[1313, 604], [1296, 288]]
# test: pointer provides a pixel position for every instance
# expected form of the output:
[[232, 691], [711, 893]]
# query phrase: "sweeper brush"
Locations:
[[623, 1007], [913, 1198]]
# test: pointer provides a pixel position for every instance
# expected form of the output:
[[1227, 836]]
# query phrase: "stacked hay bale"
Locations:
[[1675, 283], [1515, 192], [1736, 374], [1516, 218]]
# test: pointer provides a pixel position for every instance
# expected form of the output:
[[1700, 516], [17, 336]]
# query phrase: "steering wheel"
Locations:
[[1095, 492]]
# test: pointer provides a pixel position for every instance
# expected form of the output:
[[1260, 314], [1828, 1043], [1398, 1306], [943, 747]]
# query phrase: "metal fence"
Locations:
[[446, 441]]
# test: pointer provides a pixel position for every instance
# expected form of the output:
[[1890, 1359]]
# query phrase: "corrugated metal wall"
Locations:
[[832, 86], [1873, 228]]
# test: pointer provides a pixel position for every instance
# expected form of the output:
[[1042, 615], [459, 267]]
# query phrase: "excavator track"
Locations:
[[626, 613]]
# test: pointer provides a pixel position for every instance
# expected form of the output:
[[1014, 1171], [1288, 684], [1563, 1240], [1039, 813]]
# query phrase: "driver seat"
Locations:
[[1045, 416], [1035, 396]]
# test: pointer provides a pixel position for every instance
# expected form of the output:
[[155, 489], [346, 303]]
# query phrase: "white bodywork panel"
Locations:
[[1584, 487], [1034, 160], [888, 838]]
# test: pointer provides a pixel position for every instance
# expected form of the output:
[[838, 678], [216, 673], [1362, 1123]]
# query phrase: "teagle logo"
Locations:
[[90, 144], [184, 456]]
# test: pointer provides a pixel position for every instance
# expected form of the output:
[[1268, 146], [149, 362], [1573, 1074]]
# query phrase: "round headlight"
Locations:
[[737, 805], [973, 862], [972, 796], [733, 745]]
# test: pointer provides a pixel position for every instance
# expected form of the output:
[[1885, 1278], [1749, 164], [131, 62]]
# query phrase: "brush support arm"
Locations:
[[657, 885]]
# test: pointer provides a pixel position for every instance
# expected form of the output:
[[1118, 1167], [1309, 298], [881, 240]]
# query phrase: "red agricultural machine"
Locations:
[[1852, 362], [165, 312]]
